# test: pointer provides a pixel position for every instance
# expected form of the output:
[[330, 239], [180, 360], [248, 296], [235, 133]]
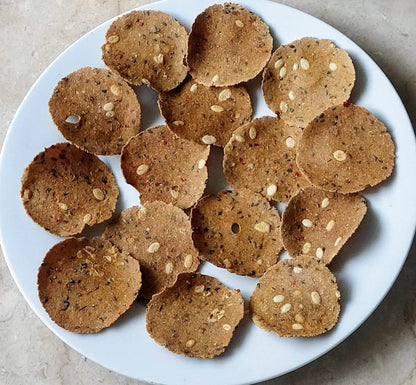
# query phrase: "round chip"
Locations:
[[306, 77], [296, 298], [85, 285], [203, 114], [228, 45], [261, 157], [158, 235], [317, 223], [96, 110], [195, 317], [65, 188], [346, 149], [147, 47], [164, 167], [238, 230]]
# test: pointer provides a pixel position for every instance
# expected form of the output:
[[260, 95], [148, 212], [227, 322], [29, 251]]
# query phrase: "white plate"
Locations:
[[366, 268]]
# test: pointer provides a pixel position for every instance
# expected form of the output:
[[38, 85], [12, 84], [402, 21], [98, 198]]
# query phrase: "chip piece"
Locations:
[[238, 230], [261, 156], [306, 77], [164, 167], [147, 47], [158, 235], [195, 317], [296, 298], [228, 45], [96, 110], [346, 149], [65, 188], [317, 223], [203, 114], [85, 285]]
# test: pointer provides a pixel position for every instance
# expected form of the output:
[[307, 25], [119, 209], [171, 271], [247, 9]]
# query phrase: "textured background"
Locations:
[[34, 32]]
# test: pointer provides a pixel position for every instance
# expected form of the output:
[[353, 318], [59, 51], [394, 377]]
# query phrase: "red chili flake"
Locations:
[[142, 24], [183, 180], [138, 20], [347, 104], [225, 192], [297, 174], [277, 113], [238, 290], [293, 283]]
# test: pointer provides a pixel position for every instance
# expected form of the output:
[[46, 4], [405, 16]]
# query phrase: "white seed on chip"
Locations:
[[278, 298], [226, 327], [338, 294], [262, 227], [193, 87], [319, 252], [297, 327], [295, 66], [285, 308], [227, 263], [252, 132], [188, 261], [330, 225], [146, 82], [169, 268], [306, 248], [304, 64], [259, 261], [338, 241], [98, 194], [174, 194], [271, 190], [290, 142], [216, 108], [283, 106], [278, 63], [110, 114], [115, 90], [201, 163], [297, 270], [108, 106], [239, 138], [153, 247], [158, 58], [87, 218], [224, 95], [199, 288], [239, 23], [178, 123], [292, 95], [282, 72], [215, 78], [142, 169], [332, 66], [340, 155], [325, 203], [113, 39], [209, 139], [299, 318], [307, 222], [190, 343], [316, 298], [63, 206]]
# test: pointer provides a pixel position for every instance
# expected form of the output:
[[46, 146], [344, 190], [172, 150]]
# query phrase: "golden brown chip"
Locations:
[[147, 47], [195, 317], [205, 114], [96, 110], [261, 156], [85, 285], [158, 235], [65, 188], [296, 298], [306, 77], [164, 167], [228, 45], [346, 149], [317, 223], [238, 230]]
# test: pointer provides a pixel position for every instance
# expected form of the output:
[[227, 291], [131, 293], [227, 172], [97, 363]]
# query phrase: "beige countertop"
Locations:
[[382, 351]]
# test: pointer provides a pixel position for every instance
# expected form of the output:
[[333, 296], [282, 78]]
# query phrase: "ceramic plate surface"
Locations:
[[366, 268]]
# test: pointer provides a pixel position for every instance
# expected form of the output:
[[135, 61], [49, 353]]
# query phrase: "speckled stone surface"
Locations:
[[382, 351]]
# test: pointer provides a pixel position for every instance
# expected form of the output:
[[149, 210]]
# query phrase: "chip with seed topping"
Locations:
[[195, 317], [238, 230], [228, 45], [96, 110], [158, 235], [346, 149], [147, 47], [164, 167], [317, 223], [296, 298], [196, 112], [65, 188], [85, 285], [304, 78], [261, 156]]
